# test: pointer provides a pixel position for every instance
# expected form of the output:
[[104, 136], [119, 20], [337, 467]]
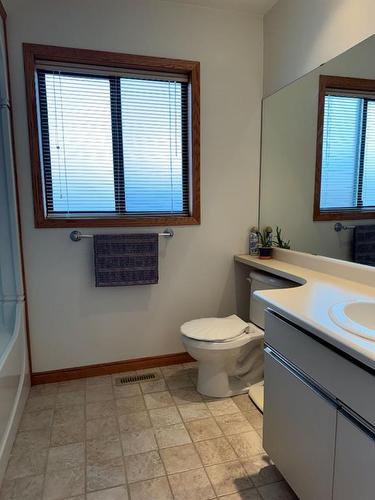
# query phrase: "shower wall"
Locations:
[[14, 371]]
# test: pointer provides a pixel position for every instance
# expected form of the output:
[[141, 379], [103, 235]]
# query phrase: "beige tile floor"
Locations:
[[90, 440]]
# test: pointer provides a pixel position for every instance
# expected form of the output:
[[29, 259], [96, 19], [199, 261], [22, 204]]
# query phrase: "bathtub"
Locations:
[[14, 375], [14, 369]]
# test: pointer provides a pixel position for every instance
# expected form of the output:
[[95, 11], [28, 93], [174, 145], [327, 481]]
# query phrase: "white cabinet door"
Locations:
[[299, 430], [354, 476]]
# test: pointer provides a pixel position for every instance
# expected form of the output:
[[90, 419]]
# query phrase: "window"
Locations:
[[114, 138], [345, 171]]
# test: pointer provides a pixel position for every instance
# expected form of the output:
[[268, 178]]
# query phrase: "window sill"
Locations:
[[347, 215], [118, 222]]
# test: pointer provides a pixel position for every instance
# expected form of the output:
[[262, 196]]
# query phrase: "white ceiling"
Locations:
[[256, 6]]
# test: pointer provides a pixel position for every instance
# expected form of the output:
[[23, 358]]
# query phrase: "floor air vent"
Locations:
[[133, 379]]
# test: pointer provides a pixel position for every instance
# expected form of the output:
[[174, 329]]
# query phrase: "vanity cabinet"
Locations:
[[354, 473], [318, 416]]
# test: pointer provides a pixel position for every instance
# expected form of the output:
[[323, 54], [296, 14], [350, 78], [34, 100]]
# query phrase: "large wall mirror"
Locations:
[[318, 158]]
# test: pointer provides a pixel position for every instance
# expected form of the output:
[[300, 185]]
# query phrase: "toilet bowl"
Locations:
[[227, 367], [229, 351]]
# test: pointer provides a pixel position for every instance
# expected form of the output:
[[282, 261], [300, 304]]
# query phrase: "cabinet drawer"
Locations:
[[299, 430], [354, 462], [348, 382]]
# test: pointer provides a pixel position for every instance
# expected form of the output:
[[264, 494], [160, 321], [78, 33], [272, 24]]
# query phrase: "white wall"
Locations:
[[73, 323], [299, 35]]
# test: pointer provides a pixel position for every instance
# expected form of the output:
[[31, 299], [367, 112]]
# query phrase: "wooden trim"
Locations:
[[29, 65], [344, 215], [108, 59], [319, 147], [117, 222], [109, 368], [33, 53], [341, 83], [196, 141], [347, 83]]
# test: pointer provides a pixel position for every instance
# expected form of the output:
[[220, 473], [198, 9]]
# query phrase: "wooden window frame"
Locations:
[[340, 83], [34, 53]]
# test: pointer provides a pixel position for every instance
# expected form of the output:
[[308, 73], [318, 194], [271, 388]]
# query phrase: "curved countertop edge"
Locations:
[[307, 305]]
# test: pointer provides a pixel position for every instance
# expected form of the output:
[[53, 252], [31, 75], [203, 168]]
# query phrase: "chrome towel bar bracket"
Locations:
[[77, 235], [340, 227]]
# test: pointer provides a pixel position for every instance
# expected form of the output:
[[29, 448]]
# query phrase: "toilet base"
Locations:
[[228, 368], [215, 382]]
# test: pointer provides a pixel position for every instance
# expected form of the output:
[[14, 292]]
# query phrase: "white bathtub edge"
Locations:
[[21, 395]]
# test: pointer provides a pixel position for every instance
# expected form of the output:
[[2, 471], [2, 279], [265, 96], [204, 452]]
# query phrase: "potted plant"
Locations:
[[265, 240], [279, 242]]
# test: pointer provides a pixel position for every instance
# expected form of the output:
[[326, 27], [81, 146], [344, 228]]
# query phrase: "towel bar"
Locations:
[[77, 235], [340, 227]]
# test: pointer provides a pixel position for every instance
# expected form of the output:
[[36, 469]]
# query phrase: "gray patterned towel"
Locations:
[[126, 259], [364, 244]]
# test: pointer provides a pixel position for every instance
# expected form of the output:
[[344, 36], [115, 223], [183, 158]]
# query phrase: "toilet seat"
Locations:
[[242, 339], [215, 329], [220, 330]]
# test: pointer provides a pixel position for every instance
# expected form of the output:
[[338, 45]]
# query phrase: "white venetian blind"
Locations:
[[368, 187], [113, 145], [348, 153], [153, 146]]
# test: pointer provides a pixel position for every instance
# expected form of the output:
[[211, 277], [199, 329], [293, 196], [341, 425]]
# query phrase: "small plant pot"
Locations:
[[265, 252]]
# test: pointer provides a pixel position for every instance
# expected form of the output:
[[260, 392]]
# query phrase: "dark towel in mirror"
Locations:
[[364, 245]]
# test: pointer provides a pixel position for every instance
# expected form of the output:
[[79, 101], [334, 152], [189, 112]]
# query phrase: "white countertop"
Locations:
[[307, 305]]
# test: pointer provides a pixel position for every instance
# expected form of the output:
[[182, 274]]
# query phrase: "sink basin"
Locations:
[[357, 317]]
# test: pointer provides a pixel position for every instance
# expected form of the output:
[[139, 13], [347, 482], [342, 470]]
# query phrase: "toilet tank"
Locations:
[[263, 281]]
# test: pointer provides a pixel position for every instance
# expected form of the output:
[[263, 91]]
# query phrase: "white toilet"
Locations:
[[229, 351]]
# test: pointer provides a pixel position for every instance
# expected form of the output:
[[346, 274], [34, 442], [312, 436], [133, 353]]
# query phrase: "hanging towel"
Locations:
[[126, 259], [364, 245]]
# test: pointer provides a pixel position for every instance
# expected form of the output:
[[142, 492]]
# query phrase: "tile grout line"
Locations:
[[64, 407], [196, 450], [238, 459], [122, 449], [48, 428], [44, 473], [153, 429], [176, 406], [194, 444], [127, 485], [220, 463], [170, 390], [104, 401], [49, 445], [85, 442], [183, 423]]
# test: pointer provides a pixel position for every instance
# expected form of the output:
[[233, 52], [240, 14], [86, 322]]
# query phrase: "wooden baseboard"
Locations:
[[109, 368]]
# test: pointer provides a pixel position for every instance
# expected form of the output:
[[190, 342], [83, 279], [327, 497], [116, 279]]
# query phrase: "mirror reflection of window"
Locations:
[[346, 149]]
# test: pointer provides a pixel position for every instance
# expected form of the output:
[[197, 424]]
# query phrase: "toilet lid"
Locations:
[[214, 329]]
